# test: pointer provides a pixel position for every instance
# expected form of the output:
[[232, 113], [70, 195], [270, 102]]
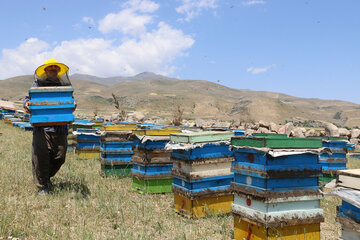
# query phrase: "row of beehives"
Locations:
[[276, 183], [17, 119]]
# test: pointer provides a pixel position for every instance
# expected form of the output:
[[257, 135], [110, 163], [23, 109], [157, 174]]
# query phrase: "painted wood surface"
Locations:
[[204, 207], [155, 132], [117, 128], [197, 137], [152, 185], [293, 211], [51, 105], [194, 171], [280, 218], [276, 142], [117, 147], [269, 135], [86, 154], [349, 178], [151, 170], [349, 211], [152, 145], [207, 151], [115, 159], [245, 230], [116, 170]]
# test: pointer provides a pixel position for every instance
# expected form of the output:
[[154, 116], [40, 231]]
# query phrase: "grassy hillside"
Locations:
[[158, 95]]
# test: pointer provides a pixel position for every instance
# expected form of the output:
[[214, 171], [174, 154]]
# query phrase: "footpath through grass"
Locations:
[[85, 205]]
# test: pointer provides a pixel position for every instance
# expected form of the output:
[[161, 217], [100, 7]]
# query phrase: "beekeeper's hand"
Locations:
[[26, 106]]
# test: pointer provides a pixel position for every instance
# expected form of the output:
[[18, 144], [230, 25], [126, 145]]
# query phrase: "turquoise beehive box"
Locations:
[[51, 105]]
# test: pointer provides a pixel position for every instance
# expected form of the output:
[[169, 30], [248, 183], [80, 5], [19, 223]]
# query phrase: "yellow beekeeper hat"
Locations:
[[41, 70]]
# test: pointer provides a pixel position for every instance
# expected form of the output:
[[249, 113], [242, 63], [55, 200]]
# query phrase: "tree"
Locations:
[[178, 116], [121, 110]]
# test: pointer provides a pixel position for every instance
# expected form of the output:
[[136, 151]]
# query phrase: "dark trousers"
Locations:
[[48, 154]]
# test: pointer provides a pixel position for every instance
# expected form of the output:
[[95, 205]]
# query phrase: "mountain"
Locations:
[[159, 95], [114, 80]]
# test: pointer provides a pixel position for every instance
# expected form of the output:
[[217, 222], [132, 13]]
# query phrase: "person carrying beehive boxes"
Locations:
[[50, 130]]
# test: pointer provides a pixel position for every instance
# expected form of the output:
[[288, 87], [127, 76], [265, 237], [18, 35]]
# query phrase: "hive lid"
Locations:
[[198, 137], [263, 142], [51, 89], [270, 135], [155, 132]]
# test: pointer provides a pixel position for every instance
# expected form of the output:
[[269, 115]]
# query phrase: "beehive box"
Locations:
[[251, 230], [209, 150], [199, 137], [155, 132], [161, 185], [202, 207], [117, 127], [51, 105], [349, 178], [116, 170], [262, 175], [271, 211]]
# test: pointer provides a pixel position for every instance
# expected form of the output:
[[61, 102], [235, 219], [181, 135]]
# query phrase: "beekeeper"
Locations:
[[49, 143]]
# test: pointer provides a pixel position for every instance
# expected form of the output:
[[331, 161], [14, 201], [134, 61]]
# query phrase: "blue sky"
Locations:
[[302, 48]]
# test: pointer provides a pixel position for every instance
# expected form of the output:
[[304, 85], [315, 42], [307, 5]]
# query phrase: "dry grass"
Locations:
[[86, 206]]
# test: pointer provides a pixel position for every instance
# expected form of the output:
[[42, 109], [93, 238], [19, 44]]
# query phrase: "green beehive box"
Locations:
[[116, 170], [152, 185], [270, 135], [276, 142], [198, 137]]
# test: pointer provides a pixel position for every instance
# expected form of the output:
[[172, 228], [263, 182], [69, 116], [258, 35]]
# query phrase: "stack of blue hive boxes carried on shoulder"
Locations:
[[348, 214], [87, 143], [116, 153], [201, 170], [276, 190]]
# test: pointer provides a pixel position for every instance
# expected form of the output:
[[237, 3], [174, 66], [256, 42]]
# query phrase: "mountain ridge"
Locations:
[[159, 96]]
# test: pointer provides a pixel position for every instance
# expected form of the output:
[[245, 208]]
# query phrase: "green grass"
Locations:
[[84, 205]]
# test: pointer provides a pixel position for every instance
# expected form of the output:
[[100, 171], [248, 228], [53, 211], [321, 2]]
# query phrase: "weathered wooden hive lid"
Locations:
[[199, 137]]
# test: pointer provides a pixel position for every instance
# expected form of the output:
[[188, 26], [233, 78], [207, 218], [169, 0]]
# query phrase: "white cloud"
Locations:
[[145, 6], [193, 8], [254, 70], [152, 51], [88, 20], [131, 19], [139, 50], [253, 2]]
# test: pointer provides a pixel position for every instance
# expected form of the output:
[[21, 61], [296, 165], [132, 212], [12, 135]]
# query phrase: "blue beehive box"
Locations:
[[87, 139], [260, 173], [51, 105]]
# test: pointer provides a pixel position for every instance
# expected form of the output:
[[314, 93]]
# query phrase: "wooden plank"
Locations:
[[349, 178], [192, 171], [198, 137], [276, 142], [251, 231], [204, 207]]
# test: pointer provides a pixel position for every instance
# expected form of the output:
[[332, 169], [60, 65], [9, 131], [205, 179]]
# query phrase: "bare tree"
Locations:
[[121, 110], [96, 111], [178, 116]]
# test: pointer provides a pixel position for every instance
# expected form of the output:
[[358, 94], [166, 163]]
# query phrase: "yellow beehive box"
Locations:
[[202, 207], [155, 132], [87, 154], [117, 128], [249, 230]]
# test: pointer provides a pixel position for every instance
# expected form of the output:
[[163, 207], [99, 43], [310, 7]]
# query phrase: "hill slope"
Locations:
[[159, 95]]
